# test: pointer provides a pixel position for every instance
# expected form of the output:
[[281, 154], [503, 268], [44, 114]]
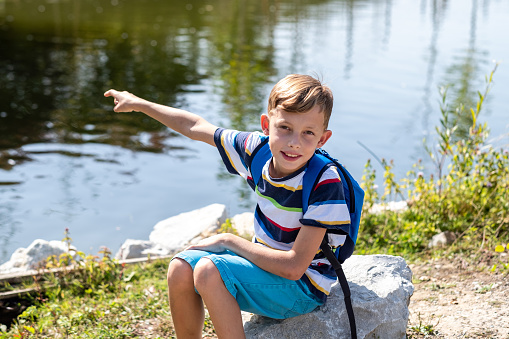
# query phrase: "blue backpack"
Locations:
[[354, 196]]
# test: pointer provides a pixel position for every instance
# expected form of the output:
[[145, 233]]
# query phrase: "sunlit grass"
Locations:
[[136, 307]]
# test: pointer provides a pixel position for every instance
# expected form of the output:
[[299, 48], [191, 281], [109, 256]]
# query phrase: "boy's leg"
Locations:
[[223, 308], [185, 304]]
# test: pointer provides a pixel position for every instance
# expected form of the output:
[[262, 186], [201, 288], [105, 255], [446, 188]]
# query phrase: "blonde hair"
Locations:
[[300, 93]]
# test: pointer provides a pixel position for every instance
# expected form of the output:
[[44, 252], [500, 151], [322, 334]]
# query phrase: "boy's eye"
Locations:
[[310, 132]]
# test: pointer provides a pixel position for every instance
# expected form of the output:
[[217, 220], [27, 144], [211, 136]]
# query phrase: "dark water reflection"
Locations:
[[58, 57], [384, 60]]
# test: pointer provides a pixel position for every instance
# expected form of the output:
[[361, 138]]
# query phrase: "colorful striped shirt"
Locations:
[[278, 214]]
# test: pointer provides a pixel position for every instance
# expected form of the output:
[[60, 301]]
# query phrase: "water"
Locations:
[[68, 161]]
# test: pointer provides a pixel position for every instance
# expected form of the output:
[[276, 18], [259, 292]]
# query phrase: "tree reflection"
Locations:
[[463, 77], [438, 11], [24, 96], [58, 58], [242, 50]]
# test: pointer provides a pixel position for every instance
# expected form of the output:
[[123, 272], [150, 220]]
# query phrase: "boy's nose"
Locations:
[[294, 141]]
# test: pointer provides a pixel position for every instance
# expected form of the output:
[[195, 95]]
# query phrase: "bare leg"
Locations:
[[186, 305], [222, 306]]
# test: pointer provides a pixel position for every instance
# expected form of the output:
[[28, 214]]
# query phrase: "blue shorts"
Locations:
[[257, 291]]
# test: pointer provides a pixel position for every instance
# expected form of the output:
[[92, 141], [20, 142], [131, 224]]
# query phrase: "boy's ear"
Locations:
[[264, 120], [323, 139]]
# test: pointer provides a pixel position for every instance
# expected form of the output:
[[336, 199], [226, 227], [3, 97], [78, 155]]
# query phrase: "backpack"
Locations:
[[354, 196]]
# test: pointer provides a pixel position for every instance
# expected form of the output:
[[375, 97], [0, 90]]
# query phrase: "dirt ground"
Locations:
[[455, 300]]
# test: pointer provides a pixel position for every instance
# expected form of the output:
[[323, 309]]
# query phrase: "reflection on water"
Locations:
[[56, 67], [464, 77], [67, 161]]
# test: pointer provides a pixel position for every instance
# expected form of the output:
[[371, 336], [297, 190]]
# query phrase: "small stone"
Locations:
[[424, 278], [442, 239]]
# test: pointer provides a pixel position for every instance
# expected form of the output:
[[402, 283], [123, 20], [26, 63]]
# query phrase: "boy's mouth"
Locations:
[[290, 155]]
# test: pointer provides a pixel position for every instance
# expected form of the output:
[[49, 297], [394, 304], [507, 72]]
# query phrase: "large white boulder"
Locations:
[[176, 232], [381, 288], [24, 259]]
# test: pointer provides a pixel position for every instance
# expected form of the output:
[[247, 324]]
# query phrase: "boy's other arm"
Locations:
[[186, 123], [287, 264]]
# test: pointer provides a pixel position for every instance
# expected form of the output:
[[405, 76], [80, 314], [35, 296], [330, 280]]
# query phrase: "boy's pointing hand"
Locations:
[[124, 101]]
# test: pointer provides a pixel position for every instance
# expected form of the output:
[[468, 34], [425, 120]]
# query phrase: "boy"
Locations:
[[282, 273]]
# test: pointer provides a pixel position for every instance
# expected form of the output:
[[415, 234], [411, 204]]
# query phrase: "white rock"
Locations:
[[24, 259], [140, 249], [175, 232], [442, 239], [394, 206], [244, 224], [381, 288]]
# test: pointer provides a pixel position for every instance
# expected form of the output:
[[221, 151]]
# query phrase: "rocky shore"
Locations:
[[381, 285], [167, 237]]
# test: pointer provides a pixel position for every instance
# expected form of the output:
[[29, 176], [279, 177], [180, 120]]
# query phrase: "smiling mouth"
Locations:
[[291, 155]]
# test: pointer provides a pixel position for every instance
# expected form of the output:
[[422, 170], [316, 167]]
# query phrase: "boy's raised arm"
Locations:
[[186, 123]]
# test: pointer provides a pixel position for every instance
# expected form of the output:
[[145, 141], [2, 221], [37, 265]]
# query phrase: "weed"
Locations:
[[227, 227], [422, 330], [436, 287], [83, 274], [484, 289], [467, 195]]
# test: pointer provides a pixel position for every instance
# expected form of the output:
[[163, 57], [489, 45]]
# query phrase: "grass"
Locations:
[[136, 307], [484, 289]]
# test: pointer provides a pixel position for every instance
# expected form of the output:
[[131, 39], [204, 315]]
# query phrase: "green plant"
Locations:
[[120, 312], [468, 194], [369, 187], [484, 289], [82, 274], [227, 227], [422, 329]]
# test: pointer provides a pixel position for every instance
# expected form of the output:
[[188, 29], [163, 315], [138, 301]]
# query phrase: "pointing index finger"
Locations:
[[110, 93]]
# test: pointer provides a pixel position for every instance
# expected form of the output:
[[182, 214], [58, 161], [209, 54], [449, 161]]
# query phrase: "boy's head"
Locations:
[[298, 93], [296, 123]]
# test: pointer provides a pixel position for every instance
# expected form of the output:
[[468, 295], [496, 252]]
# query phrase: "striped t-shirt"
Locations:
[[278, 214]]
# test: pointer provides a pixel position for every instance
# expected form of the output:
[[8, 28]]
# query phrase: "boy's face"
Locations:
[[293, 138]]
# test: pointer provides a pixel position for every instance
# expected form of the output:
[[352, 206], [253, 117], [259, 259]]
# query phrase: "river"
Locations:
[[68, 161]]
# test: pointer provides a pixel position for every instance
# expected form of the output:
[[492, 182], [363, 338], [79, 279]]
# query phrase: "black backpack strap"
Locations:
[[342, 281]]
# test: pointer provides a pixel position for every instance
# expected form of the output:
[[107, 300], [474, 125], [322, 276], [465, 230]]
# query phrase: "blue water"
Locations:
[[384, 61]]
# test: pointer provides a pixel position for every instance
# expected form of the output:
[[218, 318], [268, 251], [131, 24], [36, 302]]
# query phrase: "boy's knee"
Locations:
[[205, 275], [179, 272]]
